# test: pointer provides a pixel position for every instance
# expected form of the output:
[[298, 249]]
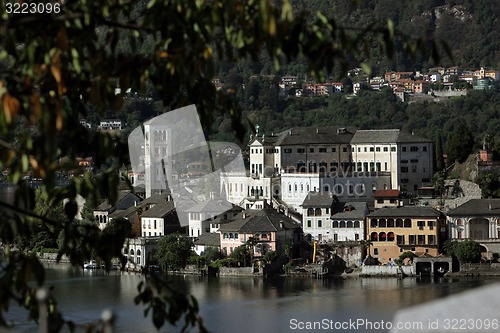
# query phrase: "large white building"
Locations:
[[406, 158], [351, 164]]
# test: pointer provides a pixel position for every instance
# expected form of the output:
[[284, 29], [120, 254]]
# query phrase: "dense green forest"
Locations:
[[470, 28]]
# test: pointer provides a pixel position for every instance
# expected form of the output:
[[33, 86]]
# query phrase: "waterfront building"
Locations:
[[270, 229], [394, 230], [478, 220]]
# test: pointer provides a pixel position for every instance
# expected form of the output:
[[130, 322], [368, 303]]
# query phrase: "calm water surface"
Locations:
[[243, 304]]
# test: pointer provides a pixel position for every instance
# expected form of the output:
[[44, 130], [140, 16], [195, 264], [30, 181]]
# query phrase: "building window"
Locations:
[[431, 240], [401, 239], [421, 239], [375, 251], [311, 150], [412, 239], [322, 150], [414, 160], [413, 148], [334, 150], [319, 224], [287, 151], [308, 223], [404, 161], [403, 148], [344, 149], [393, 148], [377, 149], [430, 224], [421, 225], [372, 149], [424, 148], [404, 169], [301, 150], [414, 168]]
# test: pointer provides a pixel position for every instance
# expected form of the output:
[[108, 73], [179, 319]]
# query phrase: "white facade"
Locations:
[[153, 227], [157, 149]]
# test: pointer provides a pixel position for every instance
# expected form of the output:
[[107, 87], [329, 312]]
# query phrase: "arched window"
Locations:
[[373, 223], [230, 235], [459, 222], [382, 237], [335, 224], [399, 223], [310, 212], [235, 235], [356, 224], [390, 236], [226, 235], [350, 224], [390, 223], [382, 223], [131, 252], [407, 223], [342, 224], [317, 212], [138, 252], [374, 236], [301, 187], [374, 187]]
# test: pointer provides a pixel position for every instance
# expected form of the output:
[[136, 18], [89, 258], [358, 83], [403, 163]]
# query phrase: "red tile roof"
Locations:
[[386, 193]]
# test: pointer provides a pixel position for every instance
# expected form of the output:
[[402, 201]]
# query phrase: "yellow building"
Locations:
[[394, 230]]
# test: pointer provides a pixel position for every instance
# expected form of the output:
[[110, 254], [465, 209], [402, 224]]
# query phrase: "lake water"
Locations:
[[244, 304]]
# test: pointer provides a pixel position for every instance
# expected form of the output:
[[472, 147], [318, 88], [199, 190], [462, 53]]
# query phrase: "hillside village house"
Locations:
[[317, 208], [394, 230], [348, 222], [271, 229], [160, 220]]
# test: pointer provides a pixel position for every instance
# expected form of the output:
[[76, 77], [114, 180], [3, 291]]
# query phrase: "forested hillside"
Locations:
[[470, 27]]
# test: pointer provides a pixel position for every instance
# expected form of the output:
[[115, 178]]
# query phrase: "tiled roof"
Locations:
[[352, 210], [208, 239], [406, 211], [319, 199], [160, 210], [265, 220], [315, 135], [485, 207], [213, 206], [123, 201], [385, 136], [386, 193]]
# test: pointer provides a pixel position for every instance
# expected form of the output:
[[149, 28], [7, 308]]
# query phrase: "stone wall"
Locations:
[[492, 269], [238, 271], [386, 270]]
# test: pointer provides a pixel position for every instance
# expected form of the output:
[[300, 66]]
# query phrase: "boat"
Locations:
[[90, 265]]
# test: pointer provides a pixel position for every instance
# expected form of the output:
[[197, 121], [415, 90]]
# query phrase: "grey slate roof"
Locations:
[[213, 205], [406, 211], [385, 136], [265, 220], [354, 211], [319, 199], [123, 201], [160, 210], [476, 207], [315, 135], [208, 239]]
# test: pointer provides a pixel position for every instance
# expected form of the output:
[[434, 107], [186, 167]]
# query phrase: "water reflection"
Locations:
[[230, 304]]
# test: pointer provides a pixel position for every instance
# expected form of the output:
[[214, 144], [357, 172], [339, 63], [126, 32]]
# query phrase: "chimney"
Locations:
[[281, 225], [290, 131], [317, 130]]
